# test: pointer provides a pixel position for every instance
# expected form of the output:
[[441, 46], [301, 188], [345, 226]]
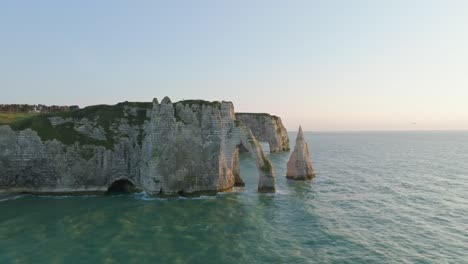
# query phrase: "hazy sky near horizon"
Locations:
[[328, 65]]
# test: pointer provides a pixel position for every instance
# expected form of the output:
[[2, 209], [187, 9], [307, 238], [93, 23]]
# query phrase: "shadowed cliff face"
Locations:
[[268, 128], [188, 147]]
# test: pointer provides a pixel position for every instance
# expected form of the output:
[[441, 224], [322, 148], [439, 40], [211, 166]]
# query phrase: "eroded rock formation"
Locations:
[[299, 164], [268, 128], [190, 147]]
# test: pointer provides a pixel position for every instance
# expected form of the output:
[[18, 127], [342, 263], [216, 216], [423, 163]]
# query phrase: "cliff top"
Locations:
[[8, 118], [37, 108], [216, 104], [12, 113], [258, 115], [62, 125], [102, 119], [103, 116], [254, 114]]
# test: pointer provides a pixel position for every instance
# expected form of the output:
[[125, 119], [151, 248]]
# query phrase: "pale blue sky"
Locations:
[[329, 65]]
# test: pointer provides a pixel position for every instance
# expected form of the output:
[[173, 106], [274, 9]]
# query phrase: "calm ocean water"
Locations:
[[396, 197]]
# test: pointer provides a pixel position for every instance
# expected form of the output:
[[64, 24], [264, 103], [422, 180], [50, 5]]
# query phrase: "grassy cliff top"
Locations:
[[105, 117], [255, 114], [200, 102], [103, 114], [258, 115], [9, 118]]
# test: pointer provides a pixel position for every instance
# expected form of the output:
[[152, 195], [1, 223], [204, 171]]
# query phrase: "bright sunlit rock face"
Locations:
[[299, 164]]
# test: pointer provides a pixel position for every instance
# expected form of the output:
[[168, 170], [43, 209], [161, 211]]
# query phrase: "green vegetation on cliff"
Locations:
[[267, 166], [106, 117], [8, 118], [264, 115], [191, 103], [215, 104], [64, 133]]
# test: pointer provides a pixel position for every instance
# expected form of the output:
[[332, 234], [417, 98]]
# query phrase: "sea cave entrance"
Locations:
[[122, 186]]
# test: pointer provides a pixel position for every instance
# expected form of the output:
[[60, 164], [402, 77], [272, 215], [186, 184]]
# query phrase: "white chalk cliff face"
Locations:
[[187, 148], [299, 164]]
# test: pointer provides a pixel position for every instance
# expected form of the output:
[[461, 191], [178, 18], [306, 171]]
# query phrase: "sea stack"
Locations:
[[299, 164]]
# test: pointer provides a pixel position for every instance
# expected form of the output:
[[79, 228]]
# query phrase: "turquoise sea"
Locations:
[[379, 197]]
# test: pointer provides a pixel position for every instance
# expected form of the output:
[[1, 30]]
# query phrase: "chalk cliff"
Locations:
[[268, 128], [189, 147], [299, 164]]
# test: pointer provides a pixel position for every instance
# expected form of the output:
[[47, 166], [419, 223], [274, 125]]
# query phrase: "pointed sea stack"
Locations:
[[299, 164]]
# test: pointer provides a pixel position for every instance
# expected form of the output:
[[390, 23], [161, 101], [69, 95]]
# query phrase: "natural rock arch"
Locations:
[[267, 128], [248, 142], [193, 147]]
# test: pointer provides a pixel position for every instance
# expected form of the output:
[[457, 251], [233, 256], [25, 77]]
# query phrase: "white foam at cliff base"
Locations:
[[10, 198]]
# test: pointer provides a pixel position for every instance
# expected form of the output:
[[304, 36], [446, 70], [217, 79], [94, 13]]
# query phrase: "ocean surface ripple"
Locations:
[[380, 197]]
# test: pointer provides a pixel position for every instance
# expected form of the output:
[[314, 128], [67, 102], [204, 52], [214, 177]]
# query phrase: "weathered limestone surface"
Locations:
[[190, 147], [266, 127], [299, 164]]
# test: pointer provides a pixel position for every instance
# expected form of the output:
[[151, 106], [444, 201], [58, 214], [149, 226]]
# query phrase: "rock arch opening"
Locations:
[[265, 146], [266, 181], [267, 128], [122, 186]]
